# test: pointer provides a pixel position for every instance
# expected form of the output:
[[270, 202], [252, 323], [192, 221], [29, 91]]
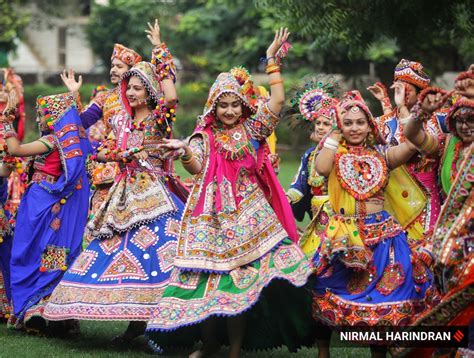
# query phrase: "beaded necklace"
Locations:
[[232, 142], [361, 171]]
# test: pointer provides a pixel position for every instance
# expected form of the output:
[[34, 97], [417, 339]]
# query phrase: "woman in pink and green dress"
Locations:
[[237, 248]]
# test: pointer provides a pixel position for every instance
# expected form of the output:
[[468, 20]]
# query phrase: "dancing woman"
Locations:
[[237, 235], [313, 105], [53, 211], [122, 273], [365, 262]]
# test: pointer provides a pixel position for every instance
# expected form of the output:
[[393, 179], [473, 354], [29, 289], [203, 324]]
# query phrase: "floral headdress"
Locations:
[[237, 82], [461, 106], [316, 98], [125, 55], [411, 72], [353, 101], [52, 108]]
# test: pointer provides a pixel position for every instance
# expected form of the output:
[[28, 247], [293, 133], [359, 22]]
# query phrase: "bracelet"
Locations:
[[10, 134], [330, 146], [265, 59], [429, 144], [275, 82], [419, 114], [186, 157], [272, 68], [331, 142], [386, 103], [187, 161]]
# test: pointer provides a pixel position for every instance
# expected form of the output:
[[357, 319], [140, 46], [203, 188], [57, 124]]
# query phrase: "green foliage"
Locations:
[[125, 21], [12, 22], [434, 32]]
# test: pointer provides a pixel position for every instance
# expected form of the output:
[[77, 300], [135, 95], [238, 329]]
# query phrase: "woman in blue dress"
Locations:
[[125, 268]]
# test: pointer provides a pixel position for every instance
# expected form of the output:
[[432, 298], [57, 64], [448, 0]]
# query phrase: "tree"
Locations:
[[437, 33], [11, 23]]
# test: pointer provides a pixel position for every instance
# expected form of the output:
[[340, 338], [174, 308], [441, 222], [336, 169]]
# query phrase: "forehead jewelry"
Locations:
[[355, 109]]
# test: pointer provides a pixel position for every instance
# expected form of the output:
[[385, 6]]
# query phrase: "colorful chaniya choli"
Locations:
[[308, 194], [237, 236], [366, 272], [101, 110], [5, 253], [423, 166], [451, 246], [122, 273], [52, 214]]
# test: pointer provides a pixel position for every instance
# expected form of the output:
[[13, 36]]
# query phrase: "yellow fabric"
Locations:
[[272, 140], [405, 201], [341, 199], [404, 209], [310, 240]]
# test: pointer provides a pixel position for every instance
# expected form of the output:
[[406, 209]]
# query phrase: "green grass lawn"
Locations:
[[94, 340]]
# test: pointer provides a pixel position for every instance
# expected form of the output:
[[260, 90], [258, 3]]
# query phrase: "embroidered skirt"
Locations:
[[122, 277], [278, 311], [311, 239], [5, 297], [392, 289]]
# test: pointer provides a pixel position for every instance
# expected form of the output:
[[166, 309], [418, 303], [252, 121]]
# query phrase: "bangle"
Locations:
[[275, 82], [187, 161], [272, 68], [330, 146], [10, 134], [186, 157], [332, 142], [265, 59]]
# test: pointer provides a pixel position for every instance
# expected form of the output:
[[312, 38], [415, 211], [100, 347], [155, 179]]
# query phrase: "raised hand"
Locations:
[[69, 80], [434, 100], [154, 34], [12, 102], [281, 36], [400, 90], [378, 90]]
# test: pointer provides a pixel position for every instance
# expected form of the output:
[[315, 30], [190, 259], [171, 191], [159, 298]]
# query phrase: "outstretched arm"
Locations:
[[400, 154], [192, 158], [277, 90], [429, 100], [162, 58]]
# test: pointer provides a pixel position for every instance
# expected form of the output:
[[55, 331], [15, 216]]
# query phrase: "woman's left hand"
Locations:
[[154, 33], [281, 36]]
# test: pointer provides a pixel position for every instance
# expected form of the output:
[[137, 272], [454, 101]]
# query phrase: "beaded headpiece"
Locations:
[[125, 55], [353, 101], [315, 99], [51, 108], [461, 106], [237, 82], [411, 72], [146, 72]]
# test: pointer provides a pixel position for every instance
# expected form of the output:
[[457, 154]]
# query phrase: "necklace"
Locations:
[[232, 142], [361, 171]]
